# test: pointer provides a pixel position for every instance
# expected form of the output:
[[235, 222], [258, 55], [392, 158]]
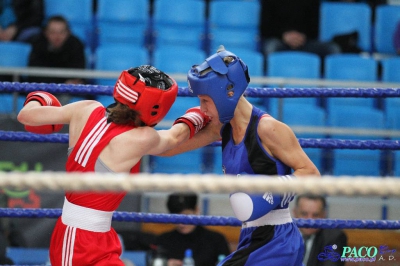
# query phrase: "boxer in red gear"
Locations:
[[107, 139]]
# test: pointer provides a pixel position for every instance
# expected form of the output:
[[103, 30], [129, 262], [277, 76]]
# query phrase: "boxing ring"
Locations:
[[206, 183]]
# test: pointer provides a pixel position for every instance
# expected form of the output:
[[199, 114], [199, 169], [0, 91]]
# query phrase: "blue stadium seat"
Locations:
[[28, 256], [289, 64], [293, 65], [390, 69], [78, 13], [253, 59], [13, 54], [356, 162], [233, 38], [177, 59], [397, 164], [387, 17], [123, 22], [343, 18], [391, 73], [137, 257], [118, 58], [238, 18], [186, 163], [392, 113], [350, 67], [179, 23]]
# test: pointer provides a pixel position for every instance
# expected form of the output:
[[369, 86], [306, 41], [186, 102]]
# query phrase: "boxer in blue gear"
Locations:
[[267, 223], [253, 143]]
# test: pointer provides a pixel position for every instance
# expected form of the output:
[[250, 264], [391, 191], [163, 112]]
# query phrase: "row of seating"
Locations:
[[184, 23]]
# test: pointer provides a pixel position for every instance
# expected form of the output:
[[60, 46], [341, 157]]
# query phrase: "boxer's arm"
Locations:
[[207, 135], [34, 114], [280, 142], [184, 127]]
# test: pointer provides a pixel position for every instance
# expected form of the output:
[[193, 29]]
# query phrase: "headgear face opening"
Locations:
[[147, 90], [223, 77]]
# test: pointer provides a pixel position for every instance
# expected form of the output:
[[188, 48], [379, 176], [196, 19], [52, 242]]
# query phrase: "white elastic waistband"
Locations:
[[86, 218], [274, 217]]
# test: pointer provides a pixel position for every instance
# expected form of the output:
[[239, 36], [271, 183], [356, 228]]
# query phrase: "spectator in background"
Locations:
[[316, 241], [292, 25], [206, 245], [20, 19], [57, 47]]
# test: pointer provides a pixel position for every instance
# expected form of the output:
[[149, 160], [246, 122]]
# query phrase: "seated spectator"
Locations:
[[316, 241], [21, 19], [292, 25], [206, 245], [57, 47]]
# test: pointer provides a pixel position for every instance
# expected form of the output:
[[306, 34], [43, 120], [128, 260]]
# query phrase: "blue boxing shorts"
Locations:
[[268, 241]]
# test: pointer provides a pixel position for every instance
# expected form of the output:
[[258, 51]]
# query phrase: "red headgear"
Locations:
[[147, 90]]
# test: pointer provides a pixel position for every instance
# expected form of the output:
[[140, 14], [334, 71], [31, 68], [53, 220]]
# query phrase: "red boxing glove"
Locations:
[[195, 119], [45, 99]]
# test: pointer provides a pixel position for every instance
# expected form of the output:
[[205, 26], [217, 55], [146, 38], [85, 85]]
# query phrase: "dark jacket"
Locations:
[[70, 55], [325, 238]]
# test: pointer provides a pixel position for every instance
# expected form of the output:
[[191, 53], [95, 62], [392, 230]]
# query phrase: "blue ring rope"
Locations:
[[25, 87], [305, 143], [205, 220]]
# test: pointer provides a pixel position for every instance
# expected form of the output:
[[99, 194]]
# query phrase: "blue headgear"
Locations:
[[223, 81]]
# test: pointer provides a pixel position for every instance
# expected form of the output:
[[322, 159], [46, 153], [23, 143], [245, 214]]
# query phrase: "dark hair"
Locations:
[[178, 202], [57, 18], [121, 114], [311, 197]]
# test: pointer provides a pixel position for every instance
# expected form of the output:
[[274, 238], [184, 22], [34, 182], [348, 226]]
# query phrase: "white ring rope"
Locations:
[[202, 183]]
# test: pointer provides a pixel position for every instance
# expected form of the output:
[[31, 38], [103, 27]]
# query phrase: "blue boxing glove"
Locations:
[[249, 207]]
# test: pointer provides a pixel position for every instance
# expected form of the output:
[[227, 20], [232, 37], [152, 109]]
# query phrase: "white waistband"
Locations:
[[274, 217], [86, 218]]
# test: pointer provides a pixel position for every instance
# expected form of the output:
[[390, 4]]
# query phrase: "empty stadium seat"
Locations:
[[352, 67], [343, 18], [397, 164], [28, 256], [253, 59], [234, 23], [387, 17], [186, 163], [137, 257], [391, 73], [179, 23], [177, 59], [123, 22], [356, 162], [117, 58], [290, 64], [13, 54]]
